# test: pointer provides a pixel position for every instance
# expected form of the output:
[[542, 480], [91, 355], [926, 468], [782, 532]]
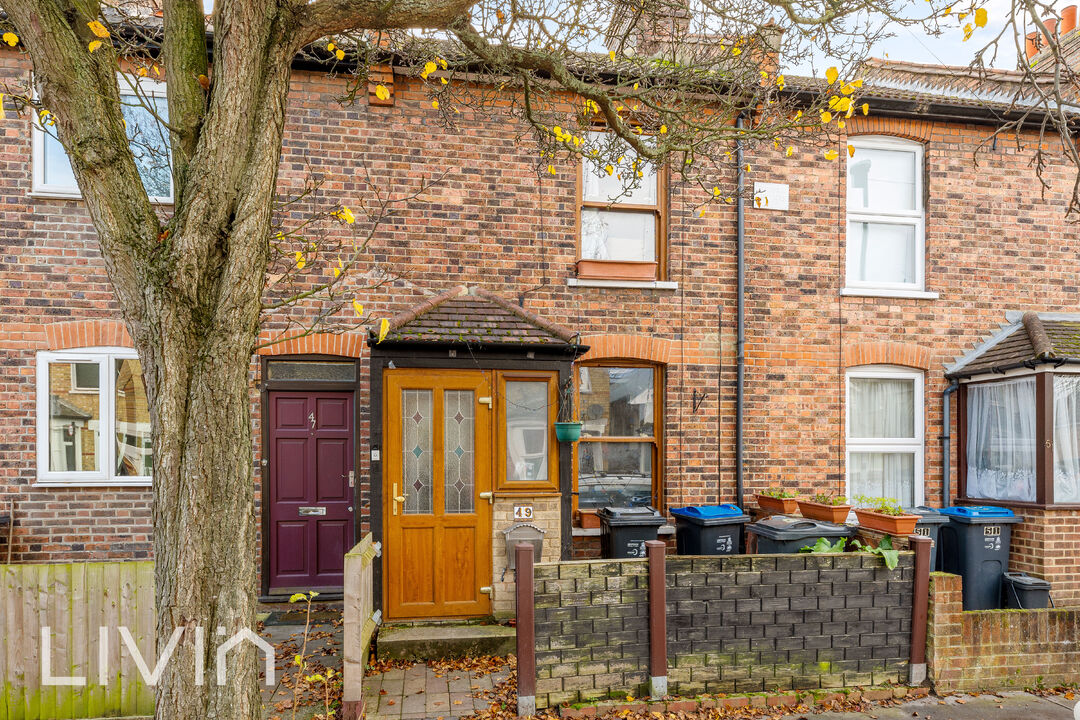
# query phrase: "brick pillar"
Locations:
[[944, 640], [658, 681], [526, 630]]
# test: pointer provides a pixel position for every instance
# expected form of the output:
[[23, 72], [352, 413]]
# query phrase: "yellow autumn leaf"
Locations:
[[856, 83], [297, 597], [429, 67], [831, 154], [967, 31], [381, 92], [716, 192], [831, 75], [611, 54], [442, 63], [981, 16], [663, 129], [94, 45], [330, 46], [384, 327], [840, 124], [609, 169], [790, 150], [141, 72], [339, 54], [300, 261], [866, 108], [11, 39], [843, 104], [338, 269], [435, 104], [357, 308], [551, 169], [826, 116], [344, 215], [736, 51], [3, 115], [157, 71], [444, 81], [98, 29], [851, 151], [833, 100]]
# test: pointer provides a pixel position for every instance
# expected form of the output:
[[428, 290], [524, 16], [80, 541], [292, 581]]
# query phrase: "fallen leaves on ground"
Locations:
[[479, 666], [378, 667]]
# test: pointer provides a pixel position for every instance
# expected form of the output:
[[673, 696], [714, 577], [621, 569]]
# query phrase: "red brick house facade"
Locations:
[[659, 354]]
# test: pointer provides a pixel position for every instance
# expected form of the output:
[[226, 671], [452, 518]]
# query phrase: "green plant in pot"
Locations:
[[825, 506], [885, 515], [567, 429], [777, 500]]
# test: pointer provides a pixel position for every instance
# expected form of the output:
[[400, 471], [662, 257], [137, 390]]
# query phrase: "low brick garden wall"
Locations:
[[749, 623], [998, 649]]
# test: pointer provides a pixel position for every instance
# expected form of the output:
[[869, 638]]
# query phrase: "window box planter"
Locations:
[[821, 511], [589, 519], [616, 270], [786, 506], [567, 431], [891, 524]]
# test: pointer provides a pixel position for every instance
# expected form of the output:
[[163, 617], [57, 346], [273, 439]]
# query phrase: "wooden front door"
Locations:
[[311, 489], [437, 493]]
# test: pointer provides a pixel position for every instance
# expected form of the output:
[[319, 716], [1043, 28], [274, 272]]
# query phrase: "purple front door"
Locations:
[[311, 494]]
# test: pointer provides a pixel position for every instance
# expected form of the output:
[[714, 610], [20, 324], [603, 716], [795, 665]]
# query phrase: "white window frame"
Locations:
[[915, 218], [105, 475], [39, 188], [916, 445]]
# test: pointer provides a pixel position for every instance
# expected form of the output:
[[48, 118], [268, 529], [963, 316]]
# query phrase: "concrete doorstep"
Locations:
[[436, 642]]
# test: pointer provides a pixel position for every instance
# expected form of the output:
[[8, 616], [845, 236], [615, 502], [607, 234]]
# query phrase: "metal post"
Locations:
[[658, 685], [526, 630], [920, 608]]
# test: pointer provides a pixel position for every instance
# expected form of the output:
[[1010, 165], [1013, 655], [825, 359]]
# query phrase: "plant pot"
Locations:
[[567, 431], [821, 511], [786, 506], [589, 519], [891, 524]]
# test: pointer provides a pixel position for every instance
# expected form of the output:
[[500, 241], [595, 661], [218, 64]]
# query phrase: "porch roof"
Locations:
[[474, 316], [1027, 340]]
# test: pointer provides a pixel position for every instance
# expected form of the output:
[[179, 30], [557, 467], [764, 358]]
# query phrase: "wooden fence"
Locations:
[[361, 620], [75, 600]]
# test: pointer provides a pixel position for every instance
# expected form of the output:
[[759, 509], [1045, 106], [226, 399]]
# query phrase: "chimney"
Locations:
[[1051, 27], [1032, 44], [1068, 21]]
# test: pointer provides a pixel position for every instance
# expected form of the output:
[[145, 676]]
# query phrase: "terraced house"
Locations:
[[899, 322]]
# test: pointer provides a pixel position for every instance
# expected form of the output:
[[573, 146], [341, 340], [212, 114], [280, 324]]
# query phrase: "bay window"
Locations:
[[618, 454], [621, 221], [1066, 438], [885, 434], [93, 420], [885, 216]]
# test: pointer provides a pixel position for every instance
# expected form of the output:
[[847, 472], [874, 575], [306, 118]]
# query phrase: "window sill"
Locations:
[[1019, 504], [597, 532], [625, 284], [59, 195], [889, 293], [93, 484]]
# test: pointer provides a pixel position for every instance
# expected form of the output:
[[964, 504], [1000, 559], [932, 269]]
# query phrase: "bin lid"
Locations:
[[980, 514], [1024, 581], [929, 515], [725, 514], [642, 515], [788, 527]]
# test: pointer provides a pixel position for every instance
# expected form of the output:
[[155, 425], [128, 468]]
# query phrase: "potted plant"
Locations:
[[885, 515], [567, 429], [588, 519], [777, 500], [825, 506]]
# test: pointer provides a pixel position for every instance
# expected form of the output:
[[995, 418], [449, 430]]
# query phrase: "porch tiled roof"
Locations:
[[471, 315], [1028, 340]]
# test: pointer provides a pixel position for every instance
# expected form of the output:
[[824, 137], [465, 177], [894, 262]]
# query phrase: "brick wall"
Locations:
[[997, 649], [747, 623], [995, 241], [546, 516], [592, 631]]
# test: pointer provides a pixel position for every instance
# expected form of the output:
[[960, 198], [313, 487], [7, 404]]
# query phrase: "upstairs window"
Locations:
[[93, 418], [52, 173], [885, 216], [621, 217]]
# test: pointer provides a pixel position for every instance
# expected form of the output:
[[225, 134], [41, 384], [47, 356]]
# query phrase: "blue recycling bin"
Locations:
[[709, 529], [975, 545]]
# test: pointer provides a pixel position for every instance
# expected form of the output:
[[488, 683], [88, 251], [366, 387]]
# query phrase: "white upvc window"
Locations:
[[52, 173], [886, 245], [885, 419], [93, 419]]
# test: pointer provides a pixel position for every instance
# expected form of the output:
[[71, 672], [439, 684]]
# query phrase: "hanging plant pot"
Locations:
[[567, 431], [891, 524], [772, 504], [821, 511]]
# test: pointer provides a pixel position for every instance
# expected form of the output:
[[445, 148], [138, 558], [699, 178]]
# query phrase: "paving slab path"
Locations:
[[420, 692]]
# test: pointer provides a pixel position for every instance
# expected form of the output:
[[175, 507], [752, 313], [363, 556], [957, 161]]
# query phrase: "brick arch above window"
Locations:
[[340, 344], [630, 347], [87, 333], [887, 353], [917, 130]]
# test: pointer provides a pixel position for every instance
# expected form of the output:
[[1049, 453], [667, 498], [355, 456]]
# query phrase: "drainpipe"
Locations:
[[946, 440], [740, 313]]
